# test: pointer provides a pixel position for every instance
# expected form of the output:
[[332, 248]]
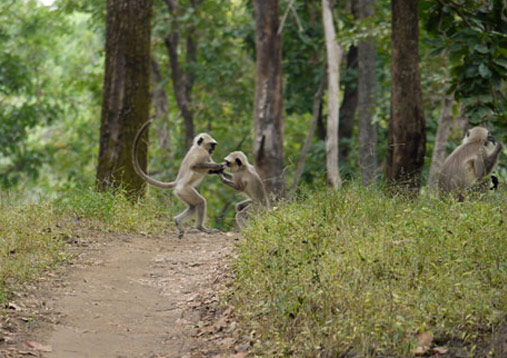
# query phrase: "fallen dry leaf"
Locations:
[[439, 350], [38, 347], [242, 347]]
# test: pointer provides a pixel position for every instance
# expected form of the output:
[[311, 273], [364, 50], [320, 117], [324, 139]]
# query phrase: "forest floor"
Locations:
[[129, 296]]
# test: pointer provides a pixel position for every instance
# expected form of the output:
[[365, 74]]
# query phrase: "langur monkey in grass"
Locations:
[[469, 164], [244, 178], [196, 164]]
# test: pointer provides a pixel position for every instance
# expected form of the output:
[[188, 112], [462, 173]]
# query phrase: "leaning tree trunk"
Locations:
[[126, 96], [366, 99], [334, 55], [268, 106], [443, 130], [407, 136]]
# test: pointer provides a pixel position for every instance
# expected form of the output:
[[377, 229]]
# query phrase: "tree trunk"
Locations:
[[161, 105], [183, 80], [334, 55], [366, 98], [407, 136], [126, 96], [349, 105], [443, 130], [317, 107], [268, 106]]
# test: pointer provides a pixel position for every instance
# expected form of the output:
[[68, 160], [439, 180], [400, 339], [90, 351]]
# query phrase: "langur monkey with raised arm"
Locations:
[[244, 178], [469, 164], [196, 164]]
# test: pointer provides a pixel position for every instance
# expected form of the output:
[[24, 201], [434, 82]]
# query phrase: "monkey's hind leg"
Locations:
[[182, 217], [241, 216], [191, 196]]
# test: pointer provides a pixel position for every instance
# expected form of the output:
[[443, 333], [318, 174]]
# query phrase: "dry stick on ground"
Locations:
[[317, 106]]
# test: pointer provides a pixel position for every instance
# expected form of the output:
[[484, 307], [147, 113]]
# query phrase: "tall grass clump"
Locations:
[[356, 272], [34, 234]]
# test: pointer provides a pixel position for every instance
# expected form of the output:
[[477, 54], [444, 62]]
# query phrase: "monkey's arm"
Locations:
[[229, 182], [484, 166], [207, 167], [227, 175]]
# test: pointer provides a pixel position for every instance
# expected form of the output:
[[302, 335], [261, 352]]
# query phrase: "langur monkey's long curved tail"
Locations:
[[137, 167]]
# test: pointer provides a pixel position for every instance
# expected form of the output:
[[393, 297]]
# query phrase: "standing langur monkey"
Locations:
[[470, 163], [245, 179], [196, 164]]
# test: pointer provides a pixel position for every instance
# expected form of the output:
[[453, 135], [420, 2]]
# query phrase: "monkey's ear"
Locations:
[[238, 162], [200, 140], [468, 134]]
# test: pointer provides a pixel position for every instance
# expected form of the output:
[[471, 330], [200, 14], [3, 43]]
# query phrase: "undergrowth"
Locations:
[[33, 235], [355, 272]]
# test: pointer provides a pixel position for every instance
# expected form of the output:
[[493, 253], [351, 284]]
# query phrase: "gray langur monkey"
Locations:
[[196, 164], [470, 163], [244, 178]]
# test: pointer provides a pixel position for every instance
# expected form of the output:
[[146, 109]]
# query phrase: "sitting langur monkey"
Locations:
[[470, 163], [244, 178], [196, 164]]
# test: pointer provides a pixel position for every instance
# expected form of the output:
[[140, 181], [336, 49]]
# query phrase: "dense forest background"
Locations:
[[203, 77]]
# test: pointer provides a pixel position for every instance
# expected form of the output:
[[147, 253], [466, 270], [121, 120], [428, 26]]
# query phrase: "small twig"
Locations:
[[280, 29], [455, 7]]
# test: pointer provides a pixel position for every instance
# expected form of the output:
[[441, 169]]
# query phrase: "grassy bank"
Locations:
[[34, 237], [357, 272]]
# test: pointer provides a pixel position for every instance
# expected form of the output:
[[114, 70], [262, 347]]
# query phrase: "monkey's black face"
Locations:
[[211, 147], [227, 164]]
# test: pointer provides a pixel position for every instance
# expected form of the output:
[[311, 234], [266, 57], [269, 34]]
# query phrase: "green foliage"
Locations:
[[473, 34], [355, 271]]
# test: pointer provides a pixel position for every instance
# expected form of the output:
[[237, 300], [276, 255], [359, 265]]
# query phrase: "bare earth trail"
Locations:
[[136, 297]]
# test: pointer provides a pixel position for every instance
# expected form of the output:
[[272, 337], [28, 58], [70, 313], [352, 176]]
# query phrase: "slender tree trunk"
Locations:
[[183, 79], [443, 130], [366, 97], [317, 107], [334, 55], [268, 106], [161, 104], [126, 96], [407, 136], [350, 96], [349, 105]]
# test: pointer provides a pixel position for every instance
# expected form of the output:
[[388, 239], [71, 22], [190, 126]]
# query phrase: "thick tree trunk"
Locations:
[[407, 137], [126, 96], [443, 130], [366, 98], [334, 55], [349, 105], [268, 106], [161, 105]]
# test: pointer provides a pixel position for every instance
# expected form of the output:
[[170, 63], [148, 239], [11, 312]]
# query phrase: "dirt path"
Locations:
[[136, 297]]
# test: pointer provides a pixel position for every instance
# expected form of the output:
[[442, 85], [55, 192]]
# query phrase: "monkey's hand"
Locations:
[[216, 171], [219, 170]]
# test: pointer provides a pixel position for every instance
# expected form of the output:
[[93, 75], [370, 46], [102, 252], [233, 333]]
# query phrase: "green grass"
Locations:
[[355, 271], [33, 237]]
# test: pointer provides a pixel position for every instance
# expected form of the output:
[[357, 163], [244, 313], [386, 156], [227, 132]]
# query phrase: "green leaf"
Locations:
[[484, 71], [481, 48]]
